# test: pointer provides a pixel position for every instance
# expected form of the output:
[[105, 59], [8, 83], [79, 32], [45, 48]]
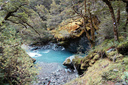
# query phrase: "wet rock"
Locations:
[[44, 83], [111, 49], [68, 62], [33, 60], [35, 48]]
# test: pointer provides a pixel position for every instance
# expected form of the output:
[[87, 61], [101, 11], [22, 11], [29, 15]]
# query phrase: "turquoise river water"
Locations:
[[49, 55]]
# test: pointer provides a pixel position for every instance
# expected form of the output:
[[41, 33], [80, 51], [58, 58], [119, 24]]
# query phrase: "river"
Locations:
[[49, 55], [50, 59]]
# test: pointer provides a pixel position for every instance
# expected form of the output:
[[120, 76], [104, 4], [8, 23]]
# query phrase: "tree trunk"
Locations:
[[127, 17], [92, 28], [118, 14], [85, 6], [113, 19], [85, 18], [91, 40], [87, 34]]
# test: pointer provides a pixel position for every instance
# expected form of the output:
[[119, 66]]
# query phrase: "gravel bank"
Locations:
[[54, 74]]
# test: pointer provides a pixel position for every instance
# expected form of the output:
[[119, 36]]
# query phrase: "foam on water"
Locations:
[[46, 51], [33, 54], [49, 55]]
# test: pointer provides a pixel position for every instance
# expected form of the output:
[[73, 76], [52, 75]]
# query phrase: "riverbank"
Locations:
[[54, 73]]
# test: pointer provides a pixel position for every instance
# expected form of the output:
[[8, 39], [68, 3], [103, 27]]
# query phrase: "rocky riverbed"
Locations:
[[54, 74]]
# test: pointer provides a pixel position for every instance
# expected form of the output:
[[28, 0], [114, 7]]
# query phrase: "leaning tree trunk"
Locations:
[[113, 19], [92, 28]]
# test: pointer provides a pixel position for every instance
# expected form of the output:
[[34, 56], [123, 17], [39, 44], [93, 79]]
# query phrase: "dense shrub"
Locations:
[[16, 67]]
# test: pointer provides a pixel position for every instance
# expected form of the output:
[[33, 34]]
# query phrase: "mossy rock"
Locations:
[[122, 48], [87, 61], [67, 62], [83, 66], [96, 57], [91, 56], [77, 60], [119, 56], [125, 60], [91, 62], [112, 53], [114, 56], [111, 76]]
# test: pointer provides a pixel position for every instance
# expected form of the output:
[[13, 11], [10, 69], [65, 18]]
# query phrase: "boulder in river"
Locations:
[[71, 64], [68, 62]]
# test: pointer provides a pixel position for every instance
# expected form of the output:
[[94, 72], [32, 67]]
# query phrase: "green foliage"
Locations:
[[123, 44], [23, 16], [54, 17], [106, 26], [125, 77], [1, 77], [112, 75], [16, 65]]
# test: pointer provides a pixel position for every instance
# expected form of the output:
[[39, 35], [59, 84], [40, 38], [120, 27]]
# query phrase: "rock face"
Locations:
[[82, 64], [77, 45], [71, 34]]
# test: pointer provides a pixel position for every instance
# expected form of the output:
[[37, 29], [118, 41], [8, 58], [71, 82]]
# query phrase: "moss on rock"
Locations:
[[122, 48], [96, 57], [103, 66], [112, 53]]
